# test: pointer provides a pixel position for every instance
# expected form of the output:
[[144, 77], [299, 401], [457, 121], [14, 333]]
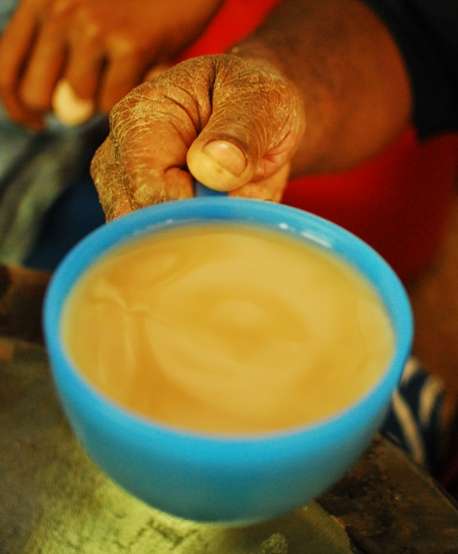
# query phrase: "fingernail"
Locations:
[[227, 155]]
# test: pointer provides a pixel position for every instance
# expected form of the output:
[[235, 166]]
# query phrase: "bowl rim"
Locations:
[[301, 224]]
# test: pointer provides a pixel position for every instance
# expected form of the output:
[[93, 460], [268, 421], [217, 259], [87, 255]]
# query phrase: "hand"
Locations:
[[229, 122], [101, 48]]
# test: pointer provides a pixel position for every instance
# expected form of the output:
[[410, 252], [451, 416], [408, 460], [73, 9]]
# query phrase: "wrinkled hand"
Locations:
[[101, 47], [231, 123]]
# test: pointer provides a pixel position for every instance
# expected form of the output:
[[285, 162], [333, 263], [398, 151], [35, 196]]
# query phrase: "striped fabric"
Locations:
[[416, 421]]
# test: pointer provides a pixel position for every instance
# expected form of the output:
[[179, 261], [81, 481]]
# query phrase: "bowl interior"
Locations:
[[284, 219]]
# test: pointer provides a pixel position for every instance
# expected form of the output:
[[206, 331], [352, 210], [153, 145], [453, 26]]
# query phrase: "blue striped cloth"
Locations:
[[416, 420]]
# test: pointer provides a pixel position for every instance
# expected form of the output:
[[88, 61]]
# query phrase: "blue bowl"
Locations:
[[205, 477]]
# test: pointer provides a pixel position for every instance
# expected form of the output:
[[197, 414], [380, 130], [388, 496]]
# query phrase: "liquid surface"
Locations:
[[227, 329]]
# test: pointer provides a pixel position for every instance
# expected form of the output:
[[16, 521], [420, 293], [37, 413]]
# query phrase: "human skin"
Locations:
[[102, 48], [318, 87]]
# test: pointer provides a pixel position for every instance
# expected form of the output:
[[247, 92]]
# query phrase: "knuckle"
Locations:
[[124, 48], [93, 32], [89, 26], [123, 44], [126, 108]]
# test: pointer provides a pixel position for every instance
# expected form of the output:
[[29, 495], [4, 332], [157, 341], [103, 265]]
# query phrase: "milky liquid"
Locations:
[[227, 329]]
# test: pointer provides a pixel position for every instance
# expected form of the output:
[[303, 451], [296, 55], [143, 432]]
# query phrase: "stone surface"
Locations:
[[54, 500]]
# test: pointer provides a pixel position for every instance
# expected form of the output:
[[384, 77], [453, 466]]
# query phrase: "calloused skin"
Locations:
[[159, 132], [103, 48], [318, 87]]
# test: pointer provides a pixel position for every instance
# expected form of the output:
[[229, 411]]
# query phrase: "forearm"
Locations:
[[349, 73]]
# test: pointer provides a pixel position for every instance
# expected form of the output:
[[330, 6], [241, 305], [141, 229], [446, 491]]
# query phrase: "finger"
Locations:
[[121, 76], [152, 131], [270, 188], [108, 179], [19, 114], [15, 44], [252, 131], [44, 68], [84, 66]]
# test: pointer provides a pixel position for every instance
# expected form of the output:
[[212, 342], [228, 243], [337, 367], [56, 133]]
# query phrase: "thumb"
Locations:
[[253, 129]]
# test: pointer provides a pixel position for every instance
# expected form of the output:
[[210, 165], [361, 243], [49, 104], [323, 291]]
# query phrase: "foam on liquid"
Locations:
[[227, 329]]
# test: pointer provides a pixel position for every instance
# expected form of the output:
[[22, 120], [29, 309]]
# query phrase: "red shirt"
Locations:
[[397, 201]]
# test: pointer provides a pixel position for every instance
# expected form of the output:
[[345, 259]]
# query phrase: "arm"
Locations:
[[318, 87], [350, 75]]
